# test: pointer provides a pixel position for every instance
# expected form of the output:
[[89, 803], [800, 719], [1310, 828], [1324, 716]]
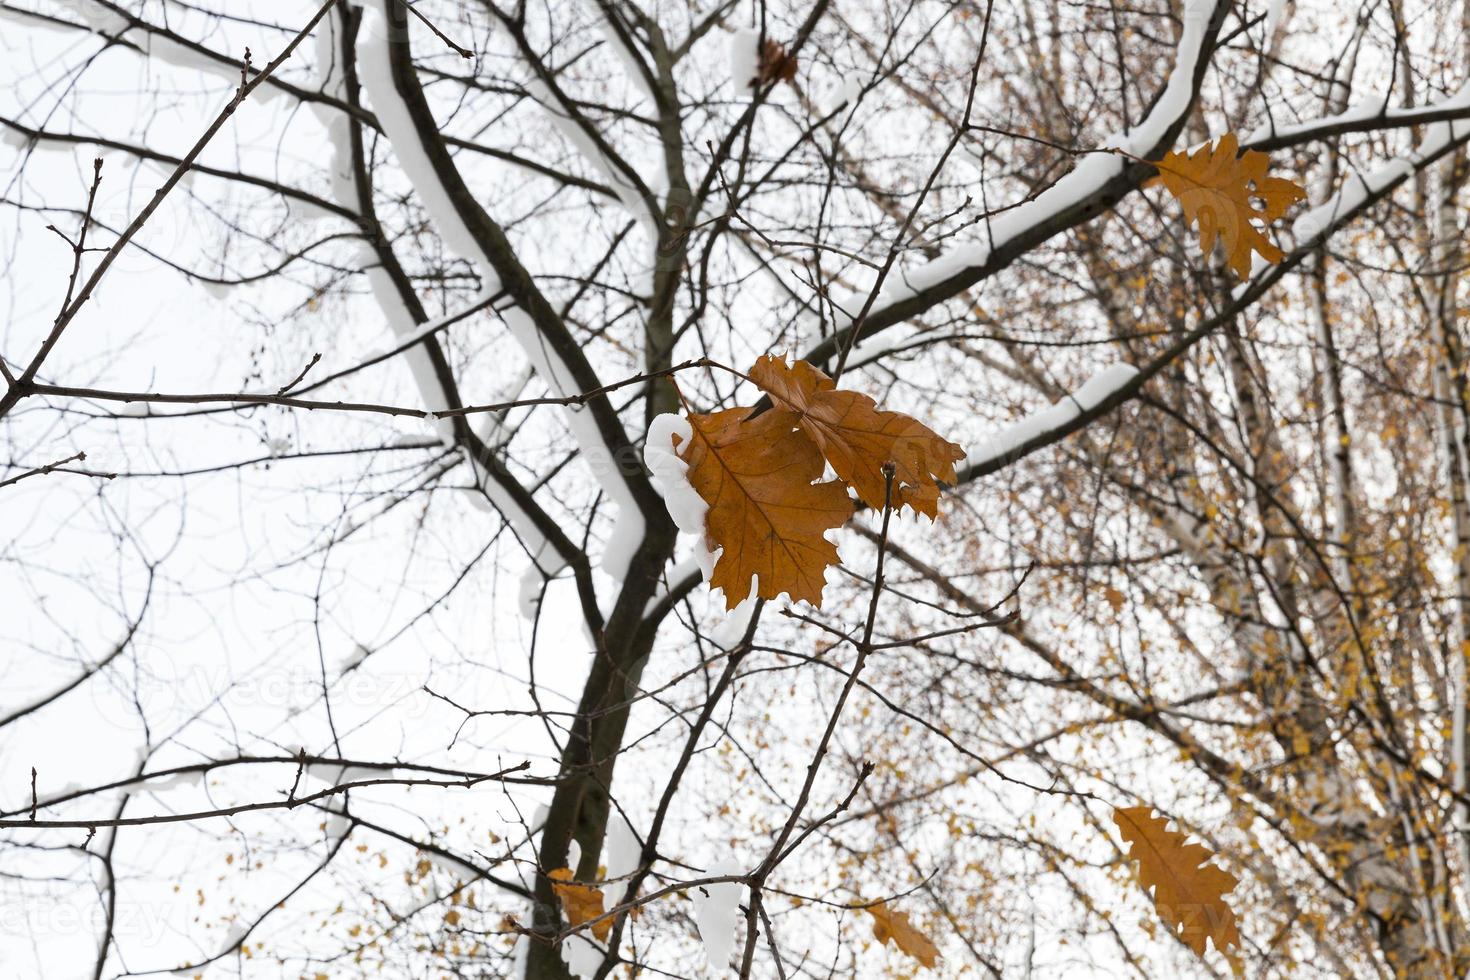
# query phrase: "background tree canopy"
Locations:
[[400, 400]]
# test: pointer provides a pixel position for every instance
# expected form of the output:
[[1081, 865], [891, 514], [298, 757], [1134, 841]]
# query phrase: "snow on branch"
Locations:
[[629, 57], [1091, 174], [1097, 390], [1358, 188], [1367, 113], [396, 119], [157, 44]]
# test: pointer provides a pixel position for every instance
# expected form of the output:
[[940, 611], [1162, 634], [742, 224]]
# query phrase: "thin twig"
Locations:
[[297, 380], [43, 470]]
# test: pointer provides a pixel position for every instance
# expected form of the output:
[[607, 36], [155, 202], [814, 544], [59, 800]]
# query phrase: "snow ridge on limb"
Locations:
[[157, 42], [1121, 382], [409, 325], [1098, 179], [1367, 114], [1359, 187], [670, 475], [631, 196], [715, 909], [1097, 389], [601, 441]]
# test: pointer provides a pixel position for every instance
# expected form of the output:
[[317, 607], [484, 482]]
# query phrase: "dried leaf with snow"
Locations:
[[765, 509], [758, 473]]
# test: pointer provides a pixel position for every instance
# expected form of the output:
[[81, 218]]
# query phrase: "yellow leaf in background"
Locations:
[[1115, 598], [1215, 189], [582, 903], [1187, 892], [888, 924]]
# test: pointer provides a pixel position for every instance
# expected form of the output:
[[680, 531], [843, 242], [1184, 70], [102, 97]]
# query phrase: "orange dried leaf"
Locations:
[[1187, 892], [857, 437], [582, 903], [765, 509], [888, 924], [1215, 188], [776, 65]]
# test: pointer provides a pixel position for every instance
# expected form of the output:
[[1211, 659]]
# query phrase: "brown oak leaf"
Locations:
[[766, 509], [888, 924], [1215, 187], [857, 437], [1187, 892], [582, 903], [776, 65]]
